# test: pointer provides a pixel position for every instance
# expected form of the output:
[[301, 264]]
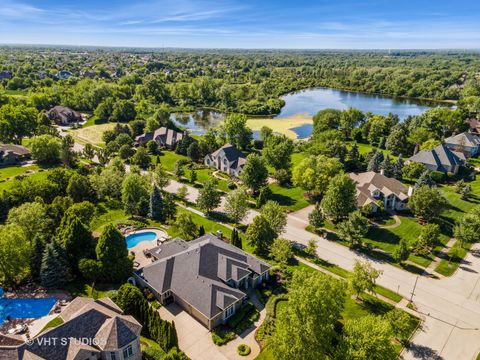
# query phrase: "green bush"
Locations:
[[438, 176], [151, 353], [238, 317], [271, 305], [221, 336], [243, 350]]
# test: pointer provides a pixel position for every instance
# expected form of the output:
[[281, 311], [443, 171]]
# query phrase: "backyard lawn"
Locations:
[[39, 175], [12, 171]]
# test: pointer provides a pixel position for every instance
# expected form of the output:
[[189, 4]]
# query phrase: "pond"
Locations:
[[309, 102]]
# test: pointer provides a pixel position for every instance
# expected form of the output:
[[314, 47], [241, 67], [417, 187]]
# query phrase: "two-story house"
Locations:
[[373, 188], [467, 143], [227, 159], [439, 159]]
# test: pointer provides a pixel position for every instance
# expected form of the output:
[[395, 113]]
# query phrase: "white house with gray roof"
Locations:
[[207, 277], [439, 159], [466, 142], [91, 330], [227, 159]]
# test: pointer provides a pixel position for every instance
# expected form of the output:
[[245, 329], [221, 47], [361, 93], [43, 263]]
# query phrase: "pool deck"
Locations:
[[140, 258]]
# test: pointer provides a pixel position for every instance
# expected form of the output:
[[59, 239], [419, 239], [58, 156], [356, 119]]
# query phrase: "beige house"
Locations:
[[207, 277], [91, 330], [163, 136], [11, 154], [373, 188], [439, 159]]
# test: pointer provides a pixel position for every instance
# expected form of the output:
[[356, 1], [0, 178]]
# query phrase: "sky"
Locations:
[[299, 24]]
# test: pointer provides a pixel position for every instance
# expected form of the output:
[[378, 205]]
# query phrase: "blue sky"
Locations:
[[342, 24]]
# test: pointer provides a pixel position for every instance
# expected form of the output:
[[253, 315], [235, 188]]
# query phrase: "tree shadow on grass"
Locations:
[[382, 235], [282, 199], [375, 306]]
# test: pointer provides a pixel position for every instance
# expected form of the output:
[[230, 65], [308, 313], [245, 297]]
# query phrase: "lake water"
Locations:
[[310, 102]]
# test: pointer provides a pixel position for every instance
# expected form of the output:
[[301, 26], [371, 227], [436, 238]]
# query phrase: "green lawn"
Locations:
[[446, 267], [107, 213], [366, 148], [82, 289], [290, 197], [204, 175], [11, 171], [168, 159], [52, 324], [39, 175]]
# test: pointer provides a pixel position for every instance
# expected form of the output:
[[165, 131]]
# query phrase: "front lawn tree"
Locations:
[[260, 235], [353, 229], [275, 215], [314, 173], [281, 251], [429, 237], [254, 174], [363, 278], [467, 229], [340, 198], [208, 197], [315, 304], [316, 218], [427, 203], [236, 205], [277, 151]]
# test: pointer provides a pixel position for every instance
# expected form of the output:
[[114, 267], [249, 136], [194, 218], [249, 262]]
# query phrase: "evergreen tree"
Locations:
[[398, 167], [193, 176], [75, 238], [263, 196], [375, 162], [54, 269], [353, 154], [387, 167], [236, 241], [113, 255], [425, 180], [37, 256], [155, 206], [201, 230]]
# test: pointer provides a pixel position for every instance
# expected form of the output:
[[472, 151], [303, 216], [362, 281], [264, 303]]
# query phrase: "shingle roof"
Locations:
[[164, 135], [16, 149], [197, 272], [85, 318], [231, 153], [369, 181], [464, 139], [440, 157]]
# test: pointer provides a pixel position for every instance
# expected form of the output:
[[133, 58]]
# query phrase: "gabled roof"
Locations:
[[198, 272], [85, 318], [440, 157], [231, 153], [464, 139], [164, 135], [368, 182]]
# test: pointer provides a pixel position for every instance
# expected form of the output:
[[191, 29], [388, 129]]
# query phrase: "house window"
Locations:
[[113, 356], [229, 311], [127, 352]]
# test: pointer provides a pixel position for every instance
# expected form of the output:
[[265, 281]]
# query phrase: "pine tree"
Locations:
[[236, 241], [37, 256], [387, 167], [397, 168], [425, 180], [155, 206], [54, 269], [112, 252], [375, 162], [75, 238], [201, 231], [353, 153], [193, 176]]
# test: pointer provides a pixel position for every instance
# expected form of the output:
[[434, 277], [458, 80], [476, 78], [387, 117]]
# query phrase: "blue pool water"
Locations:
[[25, 308], [135, 239]]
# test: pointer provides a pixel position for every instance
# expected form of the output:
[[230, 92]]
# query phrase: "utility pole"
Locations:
[[413, 291]]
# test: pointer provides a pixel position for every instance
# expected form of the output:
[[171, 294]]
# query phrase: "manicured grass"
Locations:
[[446, 267], [210, 226], [85, 289], [290, 197], [107, 213], [168, 159], [39, 175], [204, 175], [148, 343], [366, 148], [52, 324], [11, 171]]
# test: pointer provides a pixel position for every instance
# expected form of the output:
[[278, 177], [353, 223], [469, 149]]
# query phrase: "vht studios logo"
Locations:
[[63, 341]]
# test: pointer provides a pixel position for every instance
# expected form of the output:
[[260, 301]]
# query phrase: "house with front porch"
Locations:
[[207, 277], [373, 188]]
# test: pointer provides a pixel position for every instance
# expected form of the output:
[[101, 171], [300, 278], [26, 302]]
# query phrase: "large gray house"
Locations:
[[63, 115], [227, 159], [465, 142], [163, 136], [207, 277], [91, 330], [439, 159]]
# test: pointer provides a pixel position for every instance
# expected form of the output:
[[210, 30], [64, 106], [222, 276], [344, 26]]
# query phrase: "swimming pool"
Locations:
[[135, 239], [25, 308]]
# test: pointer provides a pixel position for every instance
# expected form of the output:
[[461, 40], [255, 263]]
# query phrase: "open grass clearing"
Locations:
[[12, 171], [92, 134]]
